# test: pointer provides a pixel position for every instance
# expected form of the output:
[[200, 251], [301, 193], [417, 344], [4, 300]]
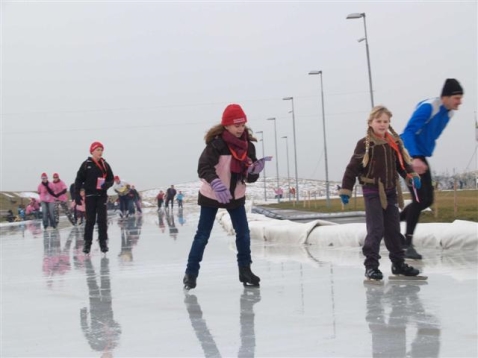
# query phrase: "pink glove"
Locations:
[[256, 167], [223, 194]]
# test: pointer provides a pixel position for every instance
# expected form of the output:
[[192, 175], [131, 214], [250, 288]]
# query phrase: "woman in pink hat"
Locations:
[[95, 176], [45, 190]]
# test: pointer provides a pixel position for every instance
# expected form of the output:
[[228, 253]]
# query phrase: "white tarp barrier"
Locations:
[[457, 235]]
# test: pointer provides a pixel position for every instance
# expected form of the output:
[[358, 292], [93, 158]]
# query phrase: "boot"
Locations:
[[373, 274], [404, 270], [247, 277], [104, 247], [411, 253], [87, 247], [189, 281]]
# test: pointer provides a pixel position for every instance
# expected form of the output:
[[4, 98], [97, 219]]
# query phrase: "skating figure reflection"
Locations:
[[249, 298], [173, 230], [56, 261], [406, 309], [130, 234], [181, 219], [101, 330], [162, 227]]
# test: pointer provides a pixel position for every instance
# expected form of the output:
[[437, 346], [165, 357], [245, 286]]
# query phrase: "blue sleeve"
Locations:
[[415, 124]]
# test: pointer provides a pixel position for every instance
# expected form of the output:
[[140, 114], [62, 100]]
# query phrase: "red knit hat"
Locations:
[[44, 176], [233, 114], [95, 145], [55, 175], [116, 177]]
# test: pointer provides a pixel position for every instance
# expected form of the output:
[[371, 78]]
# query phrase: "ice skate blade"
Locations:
[[247, 284], [407, 278], [369, 281], [187, 288]]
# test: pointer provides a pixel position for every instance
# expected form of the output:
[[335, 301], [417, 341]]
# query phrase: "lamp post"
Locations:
[[295, 146], [277, 156], [263, 154], [327, 191], [358, 16], [287, 151]]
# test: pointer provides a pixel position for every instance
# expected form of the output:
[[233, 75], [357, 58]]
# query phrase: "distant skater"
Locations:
[[95, 176]]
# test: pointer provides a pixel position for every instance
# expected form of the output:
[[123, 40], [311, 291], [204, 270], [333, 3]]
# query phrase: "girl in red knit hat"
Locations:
[[225, 166], [95, 176]]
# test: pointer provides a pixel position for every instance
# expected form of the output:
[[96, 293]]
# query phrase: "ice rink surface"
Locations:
[[57, 302]]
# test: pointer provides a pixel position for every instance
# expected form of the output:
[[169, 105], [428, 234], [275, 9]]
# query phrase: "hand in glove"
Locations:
[[344, 199], [256, 167], [78, 199], [223, 194], [416, 182]]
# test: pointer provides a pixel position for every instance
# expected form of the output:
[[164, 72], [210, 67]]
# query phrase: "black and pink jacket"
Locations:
[[215, 162]]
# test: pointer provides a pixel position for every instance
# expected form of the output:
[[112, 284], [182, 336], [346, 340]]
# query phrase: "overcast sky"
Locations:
[[148, 79]]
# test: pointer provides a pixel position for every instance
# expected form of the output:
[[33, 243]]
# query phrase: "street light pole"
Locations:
[[288, 173], [358, 16], [327, 190], [263, 155], [295, 146], [277, 156]]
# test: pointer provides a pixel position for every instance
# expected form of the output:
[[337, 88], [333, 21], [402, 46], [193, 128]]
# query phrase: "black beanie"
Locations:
[[451, 88]]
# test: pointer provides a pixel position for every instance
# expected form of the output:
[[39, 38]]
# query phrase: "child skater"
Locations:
[[376, 161], [225, 165], [95, 176], [80, 209]]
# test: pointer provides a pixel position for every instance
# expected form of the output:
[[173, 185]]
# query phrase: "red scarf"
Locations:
[[238, 148], [393, 144]]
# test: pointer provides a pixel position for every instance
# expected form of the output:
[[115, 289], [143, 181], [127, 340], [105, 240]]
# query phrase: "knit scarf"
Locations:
[[238, 148]]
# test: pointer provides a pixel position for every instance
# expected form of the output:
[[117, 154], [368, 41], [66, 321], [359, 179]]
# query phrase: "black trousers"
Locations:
[[411, 213], [382, 224], [96, 213]]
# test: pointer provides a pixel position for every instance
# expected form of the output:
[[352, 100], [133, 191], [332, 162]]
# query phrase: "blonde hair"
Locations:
[[376, 112], [218, 129]]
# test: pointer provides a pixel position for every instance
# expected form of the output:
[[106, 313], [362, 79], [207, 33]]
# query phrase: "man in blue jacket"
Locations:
[[419, 137]]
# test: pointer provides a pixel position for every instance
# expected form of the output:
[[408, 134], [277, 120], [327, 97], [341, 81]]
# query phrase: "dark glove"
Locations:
[[256, 167], [78, 199], [344, 199], [416, 182], [223, 194]]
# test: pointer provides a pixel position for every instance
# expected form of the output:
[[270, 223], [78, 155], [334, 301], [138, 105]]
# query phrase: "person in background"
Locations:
[[122, 188], [226, 164], [419, 137], [72, 198], [96, 177], [170, 194], [136, 199], [61, 199], [179, 199], [33, 208], [45, 190], [376, 162], [80, 209], [160, 198]]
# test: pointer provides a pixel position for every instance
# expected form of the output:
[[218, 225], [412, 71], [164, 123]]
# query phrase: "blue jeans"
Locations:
[[48, 211], [206, 222]]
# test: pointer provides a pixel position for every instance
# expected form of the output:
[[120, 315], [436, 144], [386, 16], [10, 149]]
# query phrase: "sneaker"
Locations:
[[373, 274], [404, 269], [411, 253]]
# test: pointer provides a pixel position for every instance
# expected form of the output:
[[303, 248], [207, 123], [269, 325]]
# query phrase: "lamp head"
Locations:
[[287, 98], [315, 72], [355, 15], [271, 119]]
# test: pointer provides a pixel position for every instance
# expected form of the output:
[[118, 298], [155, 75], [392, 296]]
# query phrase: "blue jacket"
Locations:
[[425, 126]]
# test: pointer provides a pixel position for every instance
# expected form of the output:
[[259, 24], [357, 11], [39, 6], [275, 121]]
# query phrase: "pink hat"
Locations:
[[233, 114], [116, 177], [44, 176], [95, 145], [56, 176]]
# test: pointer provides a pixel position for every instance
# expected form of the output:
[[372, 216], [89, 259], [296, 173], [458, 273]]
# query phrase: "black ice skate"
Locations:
[[104, 248], [411, 253], [189, 281], [87, 248], [373, 275], [405, 272], [247, 277]]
